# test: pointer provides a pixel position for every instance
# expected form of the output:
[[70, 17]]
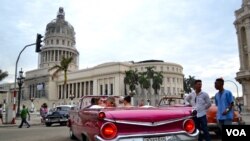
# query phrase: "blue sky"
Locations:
[[197, 34]]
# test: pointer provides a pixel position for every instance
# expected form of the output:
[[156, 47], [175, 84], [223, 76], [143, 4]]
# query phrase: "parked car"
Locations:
[[131, 123], [212, 121], [211, 114], [59, 114]]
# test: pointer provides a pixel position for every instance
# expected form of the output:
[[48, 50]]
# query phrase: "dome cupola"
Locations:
[[59, 40]]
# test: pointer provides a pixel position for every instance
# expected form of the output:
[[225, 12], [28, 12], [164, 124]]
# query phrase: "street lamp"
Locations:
[[235, 85], [71, 96], [20, 81]]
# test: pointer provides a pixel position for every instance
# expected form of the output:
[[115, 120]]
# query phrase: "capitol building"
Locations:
[[103, 79]]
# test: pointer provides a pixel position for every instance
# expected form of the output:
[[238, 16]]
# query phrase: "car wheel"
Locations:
[[84, 138], [48, 124], [71, 134]]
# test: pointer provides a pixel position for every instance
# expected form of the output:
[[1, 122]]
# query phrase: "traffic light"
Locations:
[[38, 42]]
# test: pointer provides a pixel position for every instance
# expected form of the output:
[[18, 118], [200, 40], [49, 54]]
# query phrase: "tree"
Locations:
[[150, 74], [157, 81], [3, 75], [63, 67], [144, 81], [189, 84], [131, 79]]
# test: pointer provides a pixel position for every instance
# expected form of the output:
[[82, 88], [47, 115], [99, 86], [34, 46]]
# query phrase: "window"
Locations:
[[91, 87], [63, 42], [111, 89], [101, 90], [106, 89], [57, 41], [168, 79], [169, 92]]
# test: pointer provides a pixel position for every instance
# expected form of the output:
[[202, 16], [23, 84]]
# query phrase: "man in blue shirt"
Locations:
[[224, 101]]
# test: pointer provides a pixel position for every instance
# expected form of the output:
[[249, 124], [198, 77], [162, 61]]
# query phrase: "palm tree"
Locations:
[[64, 65], [131, 79], [3, 75], [189, 84], [150, 75], [144, 81], [157, 81]]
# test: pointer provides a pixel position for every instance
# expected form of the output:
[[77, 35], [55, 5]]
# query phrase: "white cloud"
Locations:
[[199, 35]]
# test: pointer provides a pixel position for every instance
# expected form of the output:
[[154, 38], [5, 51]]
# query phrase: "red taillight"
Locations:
[[109, 130], [189, 126], [101, 115]]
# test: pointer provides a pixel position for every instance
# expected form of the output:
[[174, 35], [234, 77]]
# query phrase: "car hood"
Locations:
[[148, 114]]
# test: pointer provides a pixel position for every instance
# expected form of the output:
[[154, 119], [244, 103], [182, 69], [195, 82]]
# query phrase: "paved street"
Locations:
[[35, 133]]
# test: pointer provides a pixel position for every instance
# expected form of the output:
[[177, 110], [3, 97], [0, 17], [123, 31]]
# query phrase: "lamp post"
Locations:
[[20, 81], [71, 96], [235, 85]]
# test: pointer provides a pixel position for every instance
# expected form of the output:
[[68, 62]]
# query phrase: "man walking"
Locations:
[[24, 113], [200, 100], [224, 101]]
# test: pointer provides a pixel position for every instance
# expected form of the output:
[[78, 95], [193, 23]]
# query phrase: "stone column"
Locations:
[[246, 94]]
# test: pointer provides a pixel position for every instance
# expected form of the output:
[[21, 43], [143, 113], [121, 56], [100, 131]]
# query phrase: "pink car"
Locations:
[[145, 123]]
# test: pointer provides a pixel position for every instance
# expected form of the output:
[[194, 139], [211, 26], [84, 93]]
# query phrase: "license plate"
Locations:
[[167, 138], [155, 139], [55, 120]]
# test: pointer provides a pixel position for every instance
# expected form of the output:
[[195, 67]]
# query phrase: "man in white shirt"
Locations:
[[200, 100]]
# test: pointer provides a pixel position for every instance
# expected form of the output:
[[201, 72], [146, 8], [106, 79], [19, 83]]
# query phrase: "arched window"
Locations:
[[244, 47], [243, 36]]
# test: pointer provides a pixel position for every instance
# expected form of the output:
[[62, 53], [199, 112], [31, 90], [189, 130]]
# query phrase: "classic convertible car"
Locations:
[[146, 123]]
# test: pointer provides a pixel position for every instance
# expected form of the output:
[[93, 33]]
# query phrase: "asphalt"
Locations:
[[35, 120]]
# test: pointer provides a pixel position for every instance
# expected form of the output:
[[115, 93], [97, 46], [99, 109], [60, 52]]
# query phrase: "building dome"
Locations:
[[60, 26], [59, 40]]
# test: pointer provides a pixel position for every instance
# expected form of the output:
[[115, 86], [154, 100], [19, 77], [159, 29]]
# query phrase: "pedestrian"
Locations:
[[224, 101], [24, 114], [238, 103], [1, 113], [200, 101], [127, 101], [43, 112]]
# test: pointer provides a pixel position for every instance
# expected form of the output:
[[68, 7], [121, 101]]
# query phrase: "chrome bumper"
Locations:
[[177, 136]]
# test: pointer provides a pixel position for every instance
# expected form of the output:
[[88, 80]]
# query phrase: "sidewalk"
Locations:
[[35, 120]]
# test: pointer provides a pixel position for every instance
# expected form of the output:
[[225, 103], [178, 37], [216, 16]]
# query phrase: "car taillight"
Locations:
[[189, 126], [108, 130]]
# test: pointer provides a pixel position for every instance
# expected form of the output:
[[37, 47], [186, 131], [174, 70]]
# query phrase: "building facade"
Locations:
[[242, 25], [103, 79]]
